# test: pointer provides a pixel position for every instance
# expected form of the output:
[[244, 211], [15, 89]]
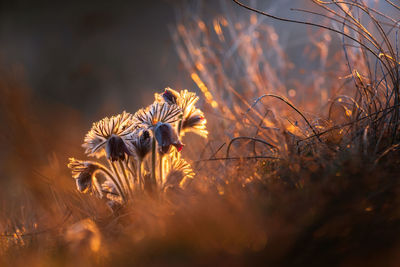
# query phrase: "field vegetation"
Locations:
[[284, 154]]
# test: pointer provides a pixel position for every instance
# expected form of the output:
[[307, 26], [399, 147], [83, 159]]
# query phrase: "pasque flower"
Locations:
[[166, 137], [83, 172], [115, 128], [169, 96], [157, 112], [116, 148], [192, 118], [178, 170]]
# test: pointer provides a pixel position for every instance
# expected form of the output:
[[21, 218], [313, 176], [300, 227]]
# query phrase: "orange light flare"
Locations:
[[217, 23], [204, 90]]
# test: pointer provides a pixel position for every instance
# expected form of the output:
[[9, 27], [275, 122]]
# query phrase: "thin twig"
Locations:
[[387, 151], [247, 138], [289, 104], [240, 158], [66, 217], [310, 24], [347, 124]]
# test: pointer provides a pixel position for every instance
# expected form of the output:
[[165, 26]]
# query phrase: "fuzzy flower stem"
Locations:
[[161, 173], [128, 184], [139, 173], [153, 163], [180, 127], [109, 174], [129, 169], [118, 176], [133, 171]]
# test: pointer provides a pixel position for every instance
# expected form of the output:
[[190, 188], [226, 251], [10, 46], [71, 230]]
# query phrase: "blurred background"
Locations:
[[99, 57], [95, 57]]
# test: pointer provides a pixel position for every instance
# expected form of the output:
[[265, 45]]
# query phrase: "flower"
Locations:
[[178, 171], [101, 131], [140, 142], [192, 118], [157, 112], [166, 136], [83, 172], [169, 96], [116, 148], [195, 123]]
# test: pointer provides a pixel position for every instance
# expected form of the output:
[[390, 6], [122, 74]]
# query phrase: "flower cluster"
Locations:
[[141, 150]]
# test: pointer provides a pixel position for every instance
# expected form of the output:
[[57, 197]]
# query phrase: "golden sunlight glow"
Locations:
[[381, 55], [84, 230], [291, 128], [214, 104], [217, 28], [199, 66], [204, 90], [202, 25], [253, 19]]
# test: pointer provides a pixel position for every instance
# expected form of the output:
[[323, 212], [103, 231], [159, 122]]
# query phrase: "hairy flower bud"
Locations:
[[170, 96], [141, 142]]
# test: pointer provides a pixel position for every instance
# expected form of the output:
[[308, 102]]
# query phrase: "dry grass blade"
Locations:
[[290, 105]]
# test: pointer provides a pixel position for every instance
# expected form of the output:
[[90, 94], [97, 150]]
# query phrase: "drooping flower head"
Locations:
[[161, 118], [192, 118], [116, 148], [108, 133], [166, 137], [83, 172]]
